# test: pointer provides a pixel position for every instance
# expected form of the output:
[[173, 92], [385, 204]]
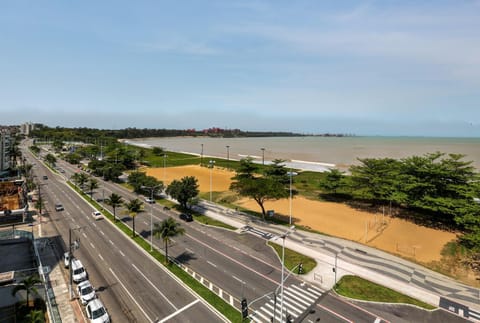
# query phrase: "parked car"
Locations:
[[59, 207], [79, 273], [86, 292], [97, 215], [66, 259], [96, 312], [186, 217], [149, 200]]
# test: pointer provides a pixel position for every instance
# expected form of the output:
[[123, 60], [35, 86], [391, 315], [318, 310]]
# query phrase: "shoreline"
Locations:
[[302, 165]]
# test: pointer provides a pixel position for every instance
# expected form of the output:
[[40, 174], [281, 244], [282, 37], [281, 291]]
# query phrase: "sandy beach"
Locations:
[[393, 235]]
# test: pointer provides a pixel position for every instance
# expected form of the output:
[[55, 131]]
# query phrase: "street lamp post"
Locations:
[[70, 257], [228, 152], [201, 156], [263, 155], [290, 200], [211, 165], [152, 189], [283, 236], [164, 168]]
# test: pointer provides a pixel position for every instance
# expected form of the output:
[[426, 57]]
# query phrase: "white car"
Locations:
[[97, 215], [66, 259], [86, 292], [79, 273], [149, 200], [96, 312]]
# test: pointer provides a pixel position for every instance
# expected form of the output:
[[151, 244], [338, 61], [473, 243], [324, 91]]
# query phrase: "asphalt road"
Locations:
[[133, 287], [241, 264]]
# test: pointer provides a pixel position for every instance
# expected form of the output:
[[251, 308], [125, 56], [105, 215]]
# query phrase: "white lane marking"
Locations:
[[237, 279], [92, 245], [102, 232], [93, 223], [211, 263], [110, 242], [101, 257], [377, 320], [155, 287], [146, 223], [179, 311], [134, 300], [121, 253], [84, 235], [189, 250]]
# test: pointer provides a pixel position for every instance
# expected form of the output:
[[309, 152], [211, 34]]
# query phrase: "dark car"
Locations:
[[45, 177], [186, 217]]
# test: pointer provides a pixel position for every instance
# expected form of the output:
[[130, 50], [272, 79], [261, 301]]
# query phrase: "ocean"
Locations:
[[319, 152]]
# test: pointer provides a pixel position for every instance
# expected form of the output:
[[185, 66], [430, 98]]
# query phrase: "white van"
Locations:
[[78, 271]]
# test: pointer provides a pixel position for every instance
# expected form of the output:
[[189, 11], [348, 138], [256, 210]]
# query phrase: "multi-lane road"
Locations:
[[137, 288]]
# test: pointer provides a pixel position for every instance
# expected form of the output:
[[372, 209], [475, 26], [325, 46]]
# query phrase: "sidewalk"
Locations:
[[68, 310], [349, 257]]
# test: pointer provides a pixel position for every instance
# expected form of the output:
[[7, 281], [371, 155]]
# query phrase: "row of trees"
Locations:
[[440, 189]]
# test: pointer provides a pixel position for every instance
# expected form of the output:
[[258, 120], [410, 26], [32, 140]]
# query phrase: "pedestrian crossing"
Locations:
[[297, 299]]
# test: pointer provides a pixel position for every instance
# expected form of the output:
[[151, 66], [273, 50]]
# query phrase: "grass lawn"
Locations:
[[359, 288], [293, 258]]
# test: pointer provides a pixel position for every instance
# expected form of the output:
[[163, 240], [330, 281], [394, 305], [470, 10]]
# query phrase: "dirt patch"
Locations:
[[393, 235]]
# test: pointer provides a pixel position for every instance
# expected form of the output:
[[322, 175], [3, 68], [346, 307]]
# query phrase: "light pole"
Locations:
[[283, 236], [228, 152], [164, 168], [201, 156], [211, 165], [263, 155], [70, 256], [152, 189]]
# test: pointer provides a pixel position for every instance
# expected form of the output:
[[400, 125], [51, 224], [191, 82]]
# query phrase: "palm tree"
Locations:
[[133, 207], [92, 184], [35, 316], [114, 200], [80, 179], [28, 285], [165, 230]]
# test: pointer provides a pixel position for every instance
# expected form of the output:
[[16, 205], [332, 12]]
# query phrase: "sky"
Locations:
[[394, 68]]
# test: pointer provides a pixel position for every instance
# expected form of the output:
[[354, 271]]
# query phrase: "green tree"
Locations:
[[92, 185], [184, 190], [157, 151], [35, 316], [114, 200], [332, 181], [133, 208], [375, 179], [50, 159], [28, 285], [80, 178], [166, 230], [57, 145], [260, 188]]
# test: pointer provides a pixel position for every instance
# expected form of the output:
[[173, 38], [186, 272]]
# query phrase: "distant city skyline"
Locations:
[[403, 68]]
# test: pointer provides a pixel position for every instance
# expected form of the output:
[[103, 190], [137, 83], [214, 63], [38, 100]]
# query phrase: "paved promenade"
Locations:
[[353, 258]]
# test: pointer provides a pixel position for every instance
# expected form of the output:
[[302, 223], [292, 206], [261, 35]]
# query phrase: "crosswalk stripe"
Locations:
[[286, 304], [297, 297], [317, 292], [263, 316], [303, 292]]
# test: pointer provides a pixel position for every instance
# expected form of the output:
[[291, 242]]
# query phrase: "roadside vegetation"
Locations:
[[361, 289], [293, 259]]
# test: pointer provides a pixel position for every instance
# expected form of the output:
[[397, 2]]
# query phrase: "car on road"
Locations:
[[96, 312], [86, 292], [59, 207], [66, 259], [97, 215], [79, 273], [149, 200], [45, 177], [186, 217]]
